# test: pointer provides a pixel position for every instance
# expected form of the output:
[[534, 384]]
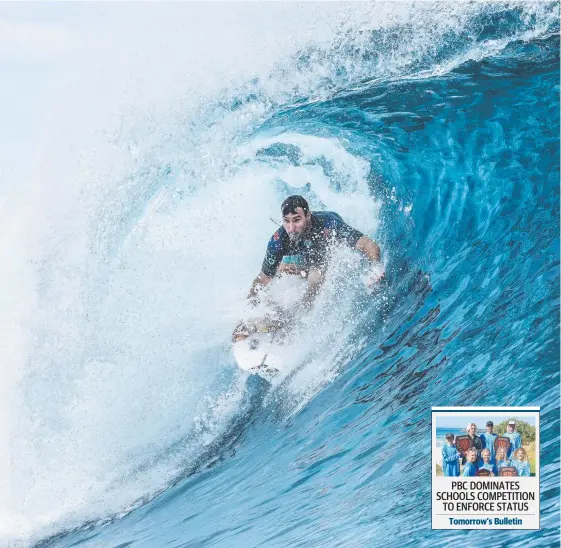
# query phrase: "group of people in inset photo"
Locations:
[[485, 454]]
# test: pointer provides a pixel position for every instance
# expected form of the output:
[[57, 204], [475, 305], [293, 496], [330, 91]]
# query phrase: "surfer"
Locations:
[[301, 247]]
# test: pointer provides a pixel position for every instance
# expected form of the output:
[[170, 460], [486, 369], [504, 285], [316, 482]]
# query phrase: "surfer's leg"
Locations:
[[316, 278]]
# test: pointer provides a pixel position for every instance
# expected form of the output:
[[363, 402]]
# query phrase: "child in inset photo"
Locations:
[[450, 457], [501, 458], [520, 462], [487, 464], [488, 438], [470, 467]]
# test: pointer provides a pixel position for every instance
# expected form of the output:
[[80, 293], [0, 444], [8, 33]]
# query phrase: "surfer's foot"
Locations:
[[242, 332]]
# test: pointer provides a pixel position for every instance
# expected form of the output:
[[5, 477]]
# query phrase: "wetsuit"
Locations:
[[313, 246]]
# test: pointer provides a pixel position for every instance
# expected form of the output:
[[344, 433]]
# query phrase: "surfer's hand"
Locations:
[[241, 332], [375, 276]]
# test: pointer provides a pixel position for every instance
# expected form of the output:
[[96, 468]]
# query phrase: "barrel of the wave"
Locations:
[[263, 341]]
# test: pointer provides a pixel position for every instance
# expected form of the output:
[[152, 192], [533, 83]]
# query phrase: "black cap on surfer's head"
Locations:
[[489, 423], [293, 202]]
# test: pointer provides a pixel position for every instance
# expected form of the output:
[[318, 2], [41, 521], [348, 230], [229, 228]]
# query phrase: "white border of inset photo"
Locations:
[[484, 502]]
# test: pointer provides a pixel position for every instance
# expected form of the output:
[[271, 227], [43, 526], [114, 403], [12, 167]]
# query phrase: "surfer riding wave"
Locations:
[[301, 247]]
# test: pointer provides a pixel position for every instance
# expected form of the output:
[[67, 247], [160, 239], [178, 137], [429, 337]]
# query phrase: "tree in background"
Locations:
[[527, 431]]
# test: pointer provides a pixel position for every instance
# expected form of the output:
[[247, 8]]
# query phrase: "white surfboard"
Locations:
[[263, 352], [259, 354]]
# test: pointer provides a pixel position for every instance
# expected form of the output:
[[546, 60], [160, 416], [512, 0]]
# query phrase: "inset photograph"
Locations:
[[498, 444]]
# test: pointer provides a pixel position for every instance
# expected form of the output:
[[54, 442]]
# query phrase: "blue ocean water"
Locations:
[[460, 149]]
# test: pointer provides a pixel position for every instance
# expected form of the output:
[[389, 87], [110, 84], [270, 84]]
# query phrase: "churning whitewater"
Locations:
[[140, 217]]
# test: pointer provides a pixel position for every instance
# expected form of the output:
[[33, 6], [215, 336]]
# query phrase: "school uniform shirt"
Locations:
[[522, 466], [489, 466], [450, 463], [503, 463], [488, 441], [515, 442], [469, 469]]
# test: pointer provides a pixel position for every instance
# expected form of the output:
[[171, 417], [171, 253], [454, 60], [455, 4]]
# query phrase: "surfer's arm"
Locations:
[[341, 231], [242, 330], [271, 262], [316, 279], [371, 250], [260, 282]]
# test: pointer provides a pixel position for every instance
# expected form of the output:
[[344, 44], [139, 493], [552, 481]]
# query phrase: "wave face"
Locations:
[[435, 129]]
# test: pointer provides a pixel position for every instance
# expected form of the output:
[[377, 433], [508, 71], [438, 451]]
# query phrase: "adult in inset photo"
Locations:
[[515, 438], [501, 458], [487, 464], [474, 442], [520, 462], [488, 439], [470, 467], [450, 457]]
